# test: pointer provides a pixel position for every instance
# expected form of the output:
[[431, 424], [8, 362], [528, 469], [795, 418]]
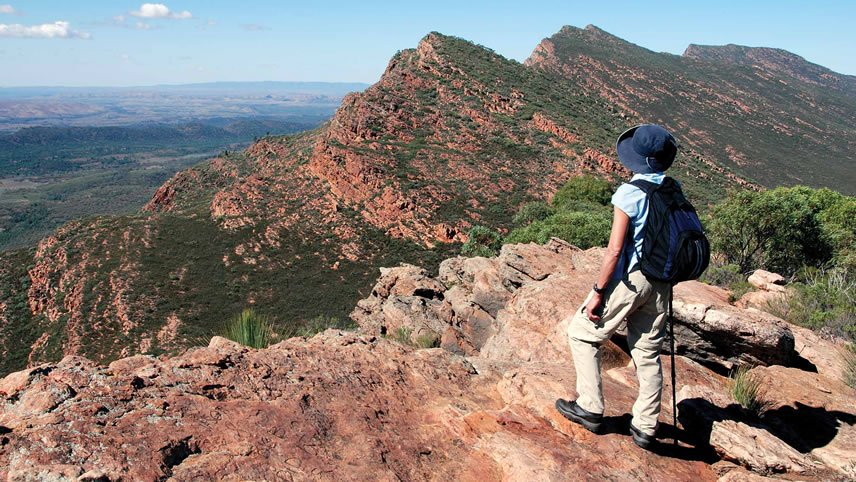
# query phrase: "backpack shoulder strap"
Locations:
[[646, 186]]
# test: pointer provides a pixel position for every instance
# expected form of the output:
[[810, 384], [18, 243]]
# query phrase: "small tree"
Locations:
[[776, 230]]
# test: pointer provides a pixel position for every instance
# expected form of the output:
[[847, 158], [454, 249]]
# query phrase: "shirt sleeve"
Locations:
[[628, 198]]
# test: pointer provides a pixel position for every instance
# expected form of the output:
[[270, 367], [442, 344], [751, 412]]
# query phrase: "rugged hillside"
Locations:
[[766, 113], [357, 406], [452, 135]]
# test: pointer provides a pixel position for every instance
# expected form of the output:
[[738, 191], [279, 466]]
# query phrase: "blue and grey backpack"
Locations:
[[675, 247]]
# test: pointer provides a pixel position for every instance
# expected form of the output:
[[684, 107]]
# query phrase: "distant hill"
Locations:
[[452, 135], [315, 88], [766, 113]]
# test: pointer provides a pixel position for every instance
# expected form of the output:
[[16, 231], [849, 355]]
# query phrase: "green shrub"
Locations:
[[482, 241], [850, 368], [747, 390], [402, 335], [250, 329], [589, 188], [822, 299], [582, 229], [428, 340], [531, 212], [784, 229], [738, 289], [722, 275]]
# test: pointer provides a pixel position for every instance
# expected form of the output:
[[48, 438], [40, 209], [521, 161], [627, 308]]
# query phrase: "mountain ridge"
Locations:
[[453, 135], [754, 121]]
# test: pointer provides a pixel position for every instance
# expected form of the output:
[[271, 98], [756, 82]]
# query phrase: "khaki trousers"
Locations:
[[644, 304]]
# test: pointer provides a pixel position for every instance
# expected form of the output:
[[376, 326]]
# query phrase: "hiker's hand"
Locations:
[[593, 306]]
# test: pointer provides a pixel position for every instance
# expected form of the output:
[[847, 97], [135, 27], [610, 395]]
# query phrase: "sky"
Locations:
[[126, 43]]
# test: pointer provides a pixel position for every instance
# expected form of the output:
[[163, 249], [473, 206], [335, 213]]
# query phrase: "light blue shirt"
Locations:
[[631, 200]]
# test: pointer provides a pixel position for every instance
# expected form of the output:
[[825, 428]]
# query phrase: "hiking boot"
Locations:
[[576, 413], [642, 440]]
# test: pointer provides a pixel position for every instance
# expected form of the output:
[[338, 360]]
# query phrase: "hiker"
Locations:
[[622, 292]]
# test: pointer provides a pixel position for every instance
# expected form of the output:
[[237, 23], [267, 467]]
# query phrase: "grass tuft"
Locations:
[[250, 329], [747, 389]]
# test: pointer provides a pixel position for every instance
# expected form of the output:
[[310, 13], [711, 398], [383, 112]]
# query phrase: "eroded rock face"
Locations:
[[519, 301], [358, 406], [714, 332]]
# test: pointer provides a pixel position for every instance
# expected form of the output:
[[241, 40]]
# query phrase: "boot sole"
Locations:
[[593, 427], [640, 442]]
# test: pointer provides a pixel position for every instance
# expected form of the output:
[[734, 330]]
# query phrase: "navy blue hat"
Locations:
[[646, 149]]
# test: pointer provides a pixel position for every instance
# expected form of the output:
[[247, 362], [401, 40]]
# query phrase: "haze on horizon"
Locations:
[[132, 43]]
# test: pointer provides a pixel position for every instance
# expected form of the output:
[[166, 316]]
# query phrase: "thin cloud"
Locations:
[[58, 29], [7, 9], [159, 10], [142, 26]]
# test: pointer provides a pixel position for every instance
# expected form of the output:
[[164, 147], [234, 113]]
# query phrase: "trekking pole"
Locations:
[[674, 376]]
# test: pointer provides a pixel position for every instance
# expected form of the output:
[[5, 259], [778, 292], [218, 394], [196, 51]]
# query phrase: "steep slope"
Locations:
[[769, 61], [766, 113], [451, 136]]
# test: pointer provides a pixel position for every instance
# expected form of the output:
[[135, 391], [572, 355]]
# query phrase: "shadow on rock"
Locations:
[[801, 426], [804, 427]]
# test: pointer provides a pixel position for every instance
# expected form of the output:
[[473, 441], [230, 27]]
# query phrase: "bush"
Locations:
[[850, 368], [784, 229], [531, 212], [579, 215], [722, 275], [588, 188], [582, 229], [747, 390], [402, 335], [428, 340], [823, 299], [250, 329], [482, 241]]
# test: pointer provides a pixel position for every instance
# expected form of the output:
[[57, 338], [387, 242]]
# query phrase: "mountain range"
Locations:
[[453, 135]]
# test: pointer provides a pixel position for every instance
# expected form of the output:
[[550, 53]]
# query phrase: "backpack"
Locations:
[[675, 247]]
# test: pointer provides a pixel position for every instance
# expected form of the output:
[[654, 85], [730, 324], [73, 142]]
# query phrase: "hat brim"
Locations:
[[628, 157]]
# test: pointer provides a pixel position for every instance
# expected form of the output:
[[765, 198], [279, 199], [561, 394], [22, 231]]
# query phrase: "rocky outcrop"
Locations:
[[527, 291], [712, 331], [355, 406], [755, 448]]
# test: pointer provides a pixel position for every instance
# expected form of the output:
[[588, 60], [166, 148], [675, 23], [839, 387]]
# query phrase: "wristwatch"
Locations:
[[597, 290]]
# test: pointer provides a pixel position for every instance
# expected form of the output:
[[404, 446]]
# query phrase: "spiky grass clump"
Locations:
[[748, 390], [250, 329]]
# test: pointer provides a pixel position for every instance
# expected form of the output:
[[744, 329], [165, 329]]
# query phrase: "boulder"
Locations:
[[767, 281], [755, 448], [712, 331]]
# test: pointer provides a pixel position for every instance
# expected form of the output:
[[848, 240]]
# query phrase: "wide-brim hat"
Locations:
[[646, 148]]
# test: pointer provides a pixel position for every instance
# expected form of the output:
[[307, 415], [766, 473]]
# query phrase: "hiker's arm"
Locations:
[[620, 223]]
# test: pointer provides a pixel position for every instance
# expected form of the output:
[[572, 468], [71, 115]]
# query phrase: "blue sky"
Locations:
[[118, 42]]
